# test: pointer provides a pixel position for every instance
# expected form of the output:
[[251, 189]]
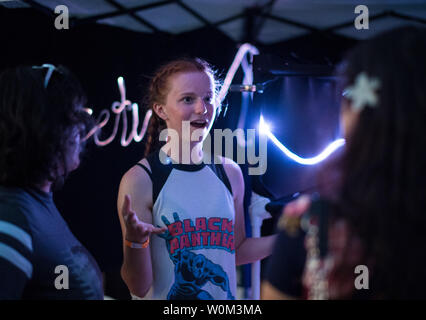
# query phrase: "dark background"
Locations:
[[304, 110]]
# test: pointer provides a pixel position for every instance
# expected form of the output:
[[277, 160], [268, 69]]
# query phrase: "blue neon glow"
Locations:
[[264, 128]]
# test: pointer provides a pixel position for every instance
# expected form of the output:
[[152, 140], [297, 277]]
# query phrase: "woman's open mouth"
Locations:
[[199, 124]]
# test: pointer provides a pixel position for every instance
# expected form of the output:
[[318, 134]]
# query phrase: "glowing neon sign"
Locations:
[[120, 108], [264, 128]]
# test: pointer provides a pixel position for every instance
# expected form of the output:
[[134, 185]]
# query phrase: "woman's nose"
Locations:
[[201, 107]]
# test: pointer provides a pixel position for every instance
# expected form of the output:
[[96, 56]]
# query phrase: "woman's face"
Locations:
[[191, 98], [74, 150]]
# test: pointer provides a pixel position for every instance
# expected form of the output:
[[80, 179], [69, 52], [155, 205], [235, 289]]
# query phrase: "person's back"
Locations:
[[36, 245]]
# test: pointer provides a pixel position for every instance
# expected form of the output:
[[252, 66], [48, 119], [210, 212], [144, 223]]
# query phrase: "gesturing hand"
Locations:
[[136, 230]]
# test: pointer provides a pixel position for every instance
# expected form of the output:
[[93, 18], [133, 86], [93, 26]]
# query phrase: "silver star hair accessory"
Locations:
[[363, 92]]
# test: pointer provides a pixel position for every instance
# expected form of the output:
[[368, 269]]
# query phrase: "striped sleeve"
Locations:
[[16, 250]]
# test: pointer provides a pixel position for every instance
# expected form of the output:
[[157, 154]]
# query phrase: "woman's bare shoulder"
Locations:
[[137, 176]]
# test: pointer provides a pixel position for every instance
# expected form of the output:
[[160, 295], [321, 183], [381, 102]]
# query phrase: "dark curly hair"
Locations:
[[382, 191], [37, 124]]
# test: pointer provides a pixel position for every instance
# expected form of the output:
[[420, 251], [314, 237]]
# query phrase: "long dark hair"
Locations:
[[382, 191], [159, 88], [37, 123]]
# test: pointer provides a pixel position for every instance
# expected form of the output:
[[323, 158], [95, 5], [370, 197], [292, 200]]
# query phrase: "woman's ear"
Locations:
[[160, 111]]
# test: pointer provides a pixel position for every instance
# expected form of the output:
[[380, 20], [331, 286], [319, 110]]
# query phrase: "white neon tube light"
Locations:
[[265, 129]]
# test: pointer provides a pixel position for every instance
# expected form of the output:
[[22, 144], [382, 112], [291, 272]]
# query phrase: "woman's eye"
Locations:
[[208, 100], [187, 99]]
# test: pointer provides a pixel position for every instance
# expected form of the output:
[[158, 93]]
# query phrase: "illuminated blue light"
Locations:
[[265, 129]]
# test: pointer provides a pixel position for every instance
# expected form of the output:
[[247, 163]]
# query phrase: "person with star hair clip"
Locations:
[[362, 237]]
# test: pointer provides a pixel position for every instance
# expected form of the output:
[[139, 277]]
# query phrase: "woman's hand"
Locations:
[[137, 230], [297, 207], [292, 213]]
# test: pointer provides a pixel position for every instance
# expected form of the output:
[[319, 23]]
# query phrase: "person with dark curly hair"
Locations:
[[377, 205], [42, 128]]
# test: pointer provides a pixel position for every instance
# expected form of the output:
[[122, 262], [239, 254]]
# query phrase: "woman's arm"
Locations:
[[254, 249], [134, 207], [247, 250]]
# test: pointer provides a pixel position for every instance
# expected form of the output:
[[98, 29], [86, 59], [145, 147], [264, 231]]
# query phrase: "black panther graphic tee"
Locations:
[[195, 258], [39, 256]]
